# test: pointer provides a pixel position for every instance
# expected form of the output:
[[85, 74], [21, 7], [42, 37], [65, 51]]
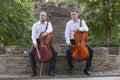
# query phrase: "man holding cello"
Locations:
[[38, 28], [73, 25]]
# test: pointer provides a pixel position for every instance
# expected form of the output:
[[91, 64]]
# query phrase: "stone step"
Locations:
[[17, 62], [111, 73]]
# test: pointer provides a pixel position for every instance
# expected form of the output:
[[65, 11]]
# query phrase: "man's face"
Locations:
[[74, 15], [42, 16]]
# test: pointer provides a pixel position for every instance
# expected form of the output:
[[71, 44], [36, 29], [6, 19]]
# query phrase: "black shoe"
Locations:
[[51, 74], [87, 72], [71, 72], [32, 75]]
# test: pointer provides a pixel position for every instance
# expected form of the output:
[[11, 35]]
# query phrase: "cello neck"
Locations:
[[80, 20]]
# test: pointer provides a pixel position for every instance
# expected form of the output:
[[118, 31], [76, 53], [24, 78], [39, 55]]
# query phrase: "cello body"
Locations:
[[80, 50], [44, 52]]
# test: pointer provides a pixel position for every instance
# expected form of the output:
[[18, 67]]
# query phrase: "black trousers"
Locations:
[[70, 60], [51, 66]]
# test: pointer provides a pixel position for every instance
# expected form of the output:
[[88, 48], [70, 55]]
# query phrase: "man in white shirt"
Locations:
[[37, 29], [72, 26]]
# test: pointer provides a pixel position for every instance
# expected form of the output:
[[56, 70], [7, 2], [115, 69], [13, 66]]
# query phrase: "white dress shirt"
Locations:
[[38, 28], [71, 26]]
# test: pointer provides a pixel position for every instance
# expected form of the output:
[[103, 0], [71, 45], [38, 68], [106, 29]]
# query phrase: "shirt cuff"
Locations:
[[68, 42], [80, 29], [34, 42], [47, 32]]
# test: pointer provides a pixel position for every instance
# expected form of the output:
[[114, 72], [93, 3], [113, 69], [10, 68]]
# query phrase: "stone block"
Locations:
[[2, 50]]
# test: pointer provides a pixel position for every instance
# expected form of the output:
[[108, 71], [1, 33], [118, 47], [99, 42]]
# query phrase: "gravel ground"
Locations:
[[96, 75]]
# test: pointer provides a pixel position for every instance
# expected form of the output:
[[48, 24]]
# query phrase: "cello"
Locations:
[[80, 50], [44, 52]]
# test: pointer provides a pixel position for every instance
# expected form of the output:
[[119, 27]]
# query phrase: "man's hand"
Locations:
[[76, 30], [44, 34], [35, 45], [69, 44]]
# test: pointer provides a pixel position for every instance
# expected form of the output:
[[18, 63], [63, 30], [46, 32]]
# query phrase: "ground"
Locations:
[[100, 75]]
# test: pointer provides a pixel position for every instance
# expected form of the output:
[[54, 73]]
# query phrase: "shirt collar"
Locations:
[[77, 20], [40, 22]]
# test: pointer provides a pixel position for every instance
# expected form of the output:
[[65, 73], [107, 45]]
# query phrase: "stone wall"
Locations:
[[14, 60]]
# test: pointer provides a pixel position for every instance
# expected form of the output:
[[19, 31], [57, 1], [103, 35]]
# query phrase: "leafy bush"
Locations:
[[104, 44], [16, 21]]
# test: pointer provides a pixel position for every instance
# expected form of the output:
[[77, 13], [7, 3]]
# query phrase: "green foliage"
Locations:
[[102, 17], [35, 0], [60, 1], [16, 19], [104, 44], [15, 22]]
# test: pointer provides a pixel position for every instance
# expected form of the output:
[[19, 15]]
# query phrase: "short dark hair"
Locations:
[[74, 10]]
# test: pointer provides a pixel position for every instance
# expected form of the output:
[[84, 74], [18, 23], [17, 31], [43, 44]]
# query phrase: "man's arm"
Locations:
[[33, 36], [67, 32], [84, 27]]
